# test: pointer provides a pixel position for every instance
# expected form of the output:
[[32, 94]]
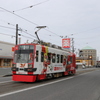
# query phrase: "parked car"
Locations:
[[83, 66]]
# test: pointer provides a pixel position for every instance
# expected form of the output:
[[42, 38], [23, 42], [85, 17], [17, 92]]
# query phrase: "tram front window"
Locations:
[[24, 55]]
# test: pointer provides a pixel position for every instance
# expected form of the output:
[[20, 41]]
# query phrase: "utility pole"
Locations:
[[16, 34], [73, 45], [19, 40]]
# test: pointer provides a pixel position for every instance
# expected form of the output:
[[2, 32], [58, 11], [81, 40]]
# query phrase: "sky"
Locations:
[[78, 19]]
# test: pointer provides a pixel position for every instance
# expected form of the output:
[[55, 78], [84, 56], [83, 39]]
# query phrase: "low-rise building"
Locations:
[[87, 55], [6, 54]]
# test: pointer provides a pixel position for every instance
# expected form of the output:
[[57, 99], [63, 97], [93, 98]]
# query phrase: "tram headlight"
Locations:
[[29, 65], [13, 65]]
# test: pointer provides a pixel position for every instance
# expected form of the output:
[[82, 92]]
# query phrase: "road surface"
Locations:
[[82, 86]]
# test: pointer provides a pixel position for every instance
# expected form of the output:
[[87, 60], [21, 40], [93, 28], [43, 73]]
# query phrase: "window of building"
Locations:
[[7, 62], [78, 61]]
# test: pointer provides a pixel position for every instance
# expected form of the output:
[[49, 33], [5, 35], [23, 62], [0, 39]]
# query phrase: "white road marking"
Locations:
[[34, 87], [6, 81], [22, 90]]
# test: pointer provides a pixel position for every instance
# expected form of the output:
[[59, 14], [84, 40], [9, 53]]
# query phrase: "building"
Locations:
[[6, 54], [88, 56]]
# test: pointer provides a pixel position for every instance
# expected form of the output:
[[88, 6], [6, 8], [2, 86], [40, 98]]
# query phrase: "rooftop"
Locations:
[[87, 47]]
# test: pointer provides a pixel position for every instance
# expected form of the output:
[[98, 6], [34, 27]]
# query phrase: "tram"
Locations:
[[32, 62]]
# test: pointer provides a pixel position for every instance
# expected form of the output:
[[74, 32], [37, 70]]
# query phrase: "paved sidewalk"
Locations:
[[79, 71], [5, 71]]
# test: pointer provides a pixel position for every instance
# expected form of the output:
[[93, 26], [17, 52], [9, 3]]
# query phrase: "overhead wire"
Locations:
[[19, 16], [28, 21], [53, 33], [28, 33], [86, 30], [7, 27], [6, 34], [31, 6], [20, 29], [15, 36], [36, 23], [7, 22], [27, 37]]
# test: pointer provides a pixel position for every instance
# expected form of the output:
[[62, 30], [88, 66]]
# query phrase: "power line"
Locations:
[[7, 34], [31, 6], [86, 30], [7, 27], [28, 33], [7, 22], [89, 37], [27, 37], [18, 29], [15, 36], [19, 16], [28, 21], [21, 29], [53, 33]]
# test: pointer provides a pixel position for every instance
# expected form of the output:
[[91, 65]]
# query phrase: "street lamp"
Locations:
[[39, 27], [90, 58]]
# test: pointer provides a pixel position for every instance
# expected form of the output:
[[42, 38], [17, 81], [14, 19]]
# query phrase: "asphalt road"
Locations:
[[84, 86], [7, 71]]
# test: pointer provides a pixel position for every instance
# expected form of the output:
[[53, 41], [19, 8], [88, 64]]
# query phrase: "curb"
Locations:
[[6, 75]]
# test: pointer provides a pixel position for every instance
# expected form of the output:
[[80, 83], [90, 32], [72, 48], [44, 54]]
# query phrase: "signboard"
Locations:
[[66, 43]]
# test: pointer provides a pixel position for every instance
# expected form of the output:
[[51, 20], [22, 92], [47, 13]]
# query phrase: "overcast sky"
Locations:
[[78, 19]]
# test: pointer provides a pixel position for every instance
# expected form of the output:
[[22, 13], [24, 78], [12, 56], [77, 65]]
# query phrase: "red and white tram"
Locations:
[[33, 62]]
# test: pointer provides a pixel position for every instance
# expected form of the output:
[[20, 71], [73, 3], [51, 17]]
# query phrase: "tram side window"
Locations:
[[57, 58], [37, 54], [53, 58], [71, 59], [49, 56], [42, 56], [61, 59]]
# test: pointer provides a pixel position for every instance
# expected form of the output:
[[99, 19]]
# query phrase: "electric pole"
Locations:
[[73, 45], [16, 34]]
